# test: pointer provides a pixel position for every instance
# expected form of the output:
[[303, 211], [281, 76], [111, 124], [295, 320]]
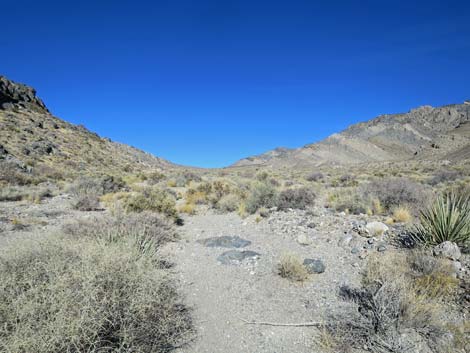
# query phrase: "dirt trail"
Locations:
[[223, 295]]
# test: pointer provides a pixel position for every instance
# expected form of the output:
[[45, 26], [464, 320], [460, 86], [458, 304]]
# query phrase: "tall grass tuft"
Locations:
[[446, 219]]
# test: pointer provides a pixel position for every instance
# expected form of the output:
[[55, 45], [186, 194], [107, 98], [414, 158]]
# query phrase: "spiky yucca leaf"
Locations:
[[447, 219]]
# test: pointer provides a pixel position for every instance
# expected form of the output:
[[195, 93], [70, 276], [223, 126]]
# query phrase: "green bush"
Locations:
[[446, 219], [81, 295], [154, 200], [228, 203], [261, 195]]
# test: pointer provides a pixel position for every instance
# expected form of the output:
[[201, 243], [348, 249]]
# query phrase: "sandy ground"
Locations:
[[222, 296]]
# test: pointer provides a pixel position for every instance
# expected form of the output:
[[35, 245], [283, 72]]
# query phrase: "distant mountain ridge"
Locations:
[[422, 133], [31, 135]]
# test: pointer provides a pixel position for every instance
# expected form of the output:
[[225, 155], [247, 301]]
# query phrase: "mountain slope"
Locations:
[[31, 137], [425, 133]]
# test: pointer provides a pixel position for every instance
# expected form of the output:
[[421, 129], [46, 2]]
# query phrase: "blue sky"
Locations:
[[205, 83]]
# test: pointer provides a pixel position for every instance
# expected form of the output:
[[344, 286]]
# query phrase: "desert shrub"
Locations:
[[11, 173], [261, 195], [395, 192], [205, 188], [64, 294], [393, 313], [186, 177], [220, 188], [444, 176], [345, 180], [155, 177], [151, 199], [291, 267], [228, 203], [30, 193], [348, 200], [189, 208], [299, 198], [85, 192], [317, 176], [262, 176], [144, 231], [446, 219], [196, 197]]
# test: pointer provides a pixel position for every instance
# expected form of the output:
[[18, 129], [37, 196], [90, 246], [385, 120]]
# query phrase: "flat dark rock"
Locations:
[[234, 257], [225, 242], [314, 266]]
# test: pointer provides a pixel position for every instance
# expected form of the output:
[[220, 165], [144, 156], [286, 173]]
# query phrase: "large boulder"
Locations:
[[376, 228], [447, 250]]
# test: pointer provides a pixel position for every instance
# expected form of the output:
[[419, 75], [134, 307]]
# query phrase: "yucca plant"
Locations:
[[446, 219]]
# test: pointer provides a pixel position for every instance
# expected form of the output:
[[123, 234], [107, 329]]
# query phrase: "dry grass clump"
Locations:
[[402, 214], [79, 294], [446, 219], [291, 267], [300, 198], [144, 231], [188, 208], [399, 307], [348, 200]]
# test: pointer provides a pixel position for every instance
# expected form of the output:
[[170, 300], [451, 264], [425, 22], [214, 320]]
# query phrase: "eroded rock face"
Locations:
[[14, 95]]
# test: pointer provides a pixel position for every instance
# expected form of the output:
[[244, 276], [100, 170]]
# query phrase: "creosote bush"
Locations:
[[300, 198], [88, 293], [261, 195], [151, 199]]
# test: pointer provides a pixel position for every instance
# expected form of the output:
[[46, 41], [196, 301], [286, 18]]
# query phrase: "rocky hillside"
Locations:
[[425, 133], [33, 139]]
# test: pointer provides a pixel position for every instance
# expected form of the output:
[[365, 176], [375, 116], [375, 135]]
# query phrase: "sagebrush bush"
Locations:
[[64, 294], [261, 195], [396, 192], [446, 219], [299, 198]]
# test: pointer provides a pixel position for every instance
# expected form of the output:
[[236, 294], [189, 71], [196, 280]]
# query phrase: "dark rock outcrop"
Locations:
[[15, 95]]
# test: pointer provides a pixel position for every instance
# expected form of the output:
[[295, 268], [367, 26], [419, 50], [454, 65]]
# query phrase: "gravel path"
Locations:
[[223, 295]]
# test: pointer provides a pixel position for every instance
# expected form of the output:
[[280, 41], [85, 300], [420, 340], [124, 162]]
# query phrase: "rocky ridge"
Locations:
[[425, 133], [31, 136]]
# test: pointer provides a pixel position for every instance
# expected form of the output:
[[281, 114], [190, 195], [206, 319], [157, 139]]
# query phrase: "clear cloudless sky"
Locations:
[[206, 83]]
